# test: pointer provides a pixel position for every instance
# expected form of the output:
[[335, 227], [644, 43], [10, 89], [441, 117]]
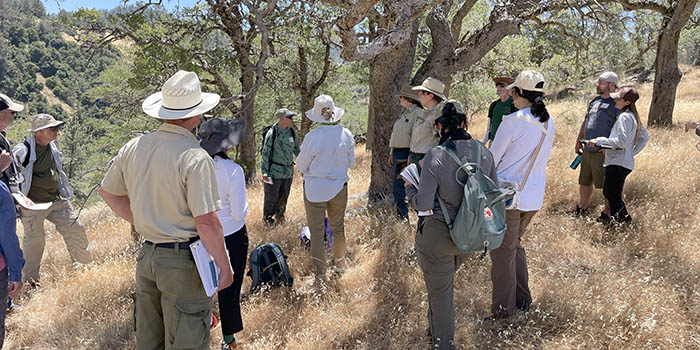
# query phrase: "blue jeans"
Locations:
[[399, 161]]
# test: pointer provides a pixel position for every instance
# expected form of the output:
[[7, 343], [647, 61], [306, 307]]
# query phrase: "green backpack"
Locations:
[[481, 220]]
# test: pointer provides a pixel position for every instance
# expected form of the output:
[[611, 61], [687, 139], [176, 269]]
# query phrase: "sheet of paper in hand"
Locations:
[[27, 203]]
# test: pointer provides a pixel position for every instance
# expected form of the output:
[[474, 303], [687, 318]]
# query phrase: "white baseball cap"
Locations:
[[610, 77], [529, 80], [7, 103]]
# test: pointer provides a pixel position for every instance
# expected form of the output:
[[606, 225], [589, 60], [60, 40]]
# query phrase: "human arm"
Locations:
[[5, 160], [266, 150], [424, 198], [641, 141], [501, 142], [8, 237], [351, 149], [212, 235], [692, 125], [579, 146], [306, 154], [20, 152], [120, 205], [237, 193], [621, 135]]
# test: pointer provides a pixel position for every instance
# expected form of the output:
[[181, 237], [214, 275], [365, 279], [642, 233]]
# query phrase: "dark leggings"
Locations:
[[230, 298], [612, 190]]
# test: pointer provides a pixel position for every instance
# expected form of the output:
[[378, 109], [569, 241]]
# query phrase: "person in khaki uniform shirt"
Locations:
[[45, 182], [400, 142], [423, 137], [164, 184]]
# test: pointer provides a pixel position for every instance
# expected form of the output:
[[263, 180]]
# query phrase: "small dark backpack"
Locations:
[[268, 266]]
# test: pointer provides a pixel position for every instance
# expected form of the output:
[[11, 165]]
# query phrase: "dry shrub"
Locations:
[[593, 288]]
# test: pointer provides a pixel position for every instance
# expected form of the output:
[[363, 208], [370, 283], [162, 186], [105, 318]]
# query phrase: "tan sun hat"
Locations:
[[180, 97], [529, 80], [433, 86], [320, 103], [408, 92], [43, 121]]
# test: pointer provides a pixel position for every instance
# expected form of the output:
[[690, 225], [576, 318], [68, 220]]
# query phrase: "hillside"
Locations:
[[593, 289]]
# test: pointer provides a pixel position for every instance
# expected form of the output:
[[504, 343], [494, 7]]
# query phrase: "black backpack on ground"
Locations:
[[268, 266]]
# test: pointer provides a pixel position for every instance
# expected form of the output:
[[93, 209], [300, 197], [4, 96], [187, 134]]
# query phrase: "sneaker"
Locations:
[[10, 305], [577, 212], [603, 218], [232, 346], [214, 321]]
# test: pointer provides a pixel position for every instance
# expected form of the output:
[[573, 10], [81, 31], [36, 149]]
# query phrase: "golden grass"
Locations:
[[593, 289]]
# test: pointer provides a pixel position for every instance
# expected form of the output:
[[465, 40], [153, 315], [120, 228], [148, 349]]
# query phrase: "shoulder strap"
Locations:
[[29, 151], [532, 162]]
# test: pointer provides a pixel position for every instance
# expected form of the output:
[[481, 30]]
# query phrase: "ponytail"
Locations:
[[538, 108], [632, 108]]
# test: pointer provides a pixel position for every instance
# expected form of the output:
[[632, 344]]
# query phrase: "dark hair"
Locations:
[[539, 110], [221, 154], [415, 102], [451, 122]]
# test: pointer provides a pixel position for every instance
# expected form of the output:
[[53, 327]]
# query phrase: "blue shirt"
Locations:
[[600, 118], [9, 244]]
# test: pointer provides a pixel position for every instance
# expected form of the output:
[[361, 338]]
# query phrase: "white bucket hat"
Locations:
[[433, 86], [7, 103], [180, 97], [529, 80], [321, 102]]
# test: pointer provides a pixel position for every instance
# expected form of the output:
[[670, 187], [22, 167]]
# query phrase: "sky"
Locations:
[[53, 6]]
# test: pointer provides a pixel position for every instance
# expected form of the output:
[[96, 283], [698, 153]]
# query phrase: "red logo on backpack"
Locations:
[[488, 214]]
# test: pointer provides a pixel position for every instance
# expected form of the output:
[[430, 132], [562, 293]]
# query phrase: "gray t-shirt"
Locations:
[[600, 118], [438, 178]]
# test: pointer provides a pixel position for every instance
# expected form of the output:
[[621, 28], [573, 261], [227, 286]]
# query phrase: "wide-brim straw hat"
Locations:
[[219, 134], [434, 86], [321, 102], [43, 121], [529, 80], [408, 92], [180, 97], [11, 105]]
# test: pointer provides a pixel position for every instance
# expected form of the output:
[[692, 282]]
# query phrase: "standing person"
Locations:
[[164, 184], [279, 148], [218, 137], [627, 138], [503, 106], [11, 259], [599, 120], [438, 256], [326, 154], [400, 142], [46, 182], [431, 94], [521, 151], [8, 169]]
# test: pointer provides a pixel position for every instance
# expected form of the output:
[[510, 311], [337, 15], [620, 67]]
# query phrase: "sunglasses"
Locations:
[[500, 84], [55, 128]]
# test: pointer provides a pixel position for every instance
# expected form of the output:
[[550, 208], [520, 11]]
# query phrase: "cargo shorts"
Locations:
[[592, 171]]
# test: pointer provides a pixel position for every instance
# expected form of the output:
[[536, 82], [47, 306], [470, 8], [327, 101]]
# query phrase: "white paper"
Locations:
[[208, 270], [410, 173], [27, 203]]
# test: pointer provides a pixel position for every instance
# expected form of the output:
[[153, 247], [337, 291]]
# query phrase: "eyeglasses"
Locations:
[[55, 128], [500, 84]]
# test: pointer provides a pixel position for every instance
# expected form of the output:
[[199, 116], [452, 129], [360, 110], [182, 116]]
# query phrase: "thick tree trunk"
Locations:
[[307, 102], [668, 75], [388, 72], [247, 149]]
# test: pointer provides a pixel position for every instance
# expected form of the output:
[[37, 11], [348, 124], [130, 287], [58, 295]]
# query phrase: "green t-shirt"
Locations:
[[44, 187], [496, 112]]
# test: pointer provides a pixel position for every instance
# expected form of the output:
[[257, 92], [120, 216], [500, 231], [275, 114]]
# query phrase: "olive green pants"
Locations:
[[439, 259], [171, 309]]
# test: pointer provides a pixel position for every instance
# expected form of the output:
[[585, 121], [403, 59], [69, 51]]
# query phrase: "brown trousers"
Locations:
[[509, 268], [315, 215]]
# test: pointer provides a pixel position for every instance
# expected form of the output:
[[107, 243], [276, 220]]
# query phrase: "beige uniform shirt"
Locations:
[[424, 137], [169, 179], [403, 127]]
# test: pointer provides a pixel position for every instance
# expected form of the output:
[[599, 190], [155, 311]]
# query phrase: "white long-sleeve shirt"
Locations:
[[512, 148], [326, 154], [230, 180], [622, 141]]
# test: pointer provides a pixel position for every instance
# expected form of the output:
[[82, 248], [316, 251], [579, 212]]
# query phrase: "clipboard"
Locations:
[[207, 268]]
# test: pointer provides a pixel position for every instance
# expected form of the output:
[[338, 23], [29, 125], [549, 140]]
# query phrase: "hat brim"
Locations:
[[216, 144], [422, 88], [153, 106], [615, 95], [315, 116], [49, 125], [505, 80], [288, 115], [16, 107], [516, 85]]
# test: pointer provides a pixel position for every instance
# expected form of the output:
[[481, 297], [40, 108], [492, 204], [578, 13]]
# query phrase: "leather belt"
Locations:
[[170, 245]]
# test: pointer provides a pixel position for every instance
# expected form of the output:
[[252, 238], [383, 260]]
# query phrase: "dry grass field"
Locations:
[[637, 288]]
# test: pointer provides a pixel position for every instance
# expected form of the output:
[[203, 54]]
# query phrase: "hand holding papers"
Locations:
[[410, 173], [27, 203], [208, 271]]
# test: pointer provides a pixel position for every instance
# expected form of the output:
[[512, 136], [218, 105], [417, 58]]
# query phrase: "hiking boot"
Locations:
[[577, 212], [236, 345], [268, 221], [603, 218]]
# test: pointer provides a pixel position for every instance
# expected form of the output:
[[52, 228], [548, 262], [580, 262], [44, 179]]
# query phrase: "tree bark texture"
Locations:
[[668, 75], [388, 71]]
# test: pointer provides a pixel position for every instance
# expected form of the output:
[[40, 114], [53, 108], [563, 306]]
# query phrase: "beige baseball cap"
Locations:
[[529, 80]]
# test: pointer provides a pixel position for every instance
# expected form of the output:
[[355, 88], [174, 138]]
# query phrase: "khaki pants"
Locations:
[[439, 259], [67, 224], [509, 268], [171, 309], [315, 214]]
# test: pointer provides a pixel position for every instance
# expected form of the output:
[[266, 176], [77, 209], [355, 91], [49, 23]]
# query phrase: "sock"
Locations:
[[228, 339]]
